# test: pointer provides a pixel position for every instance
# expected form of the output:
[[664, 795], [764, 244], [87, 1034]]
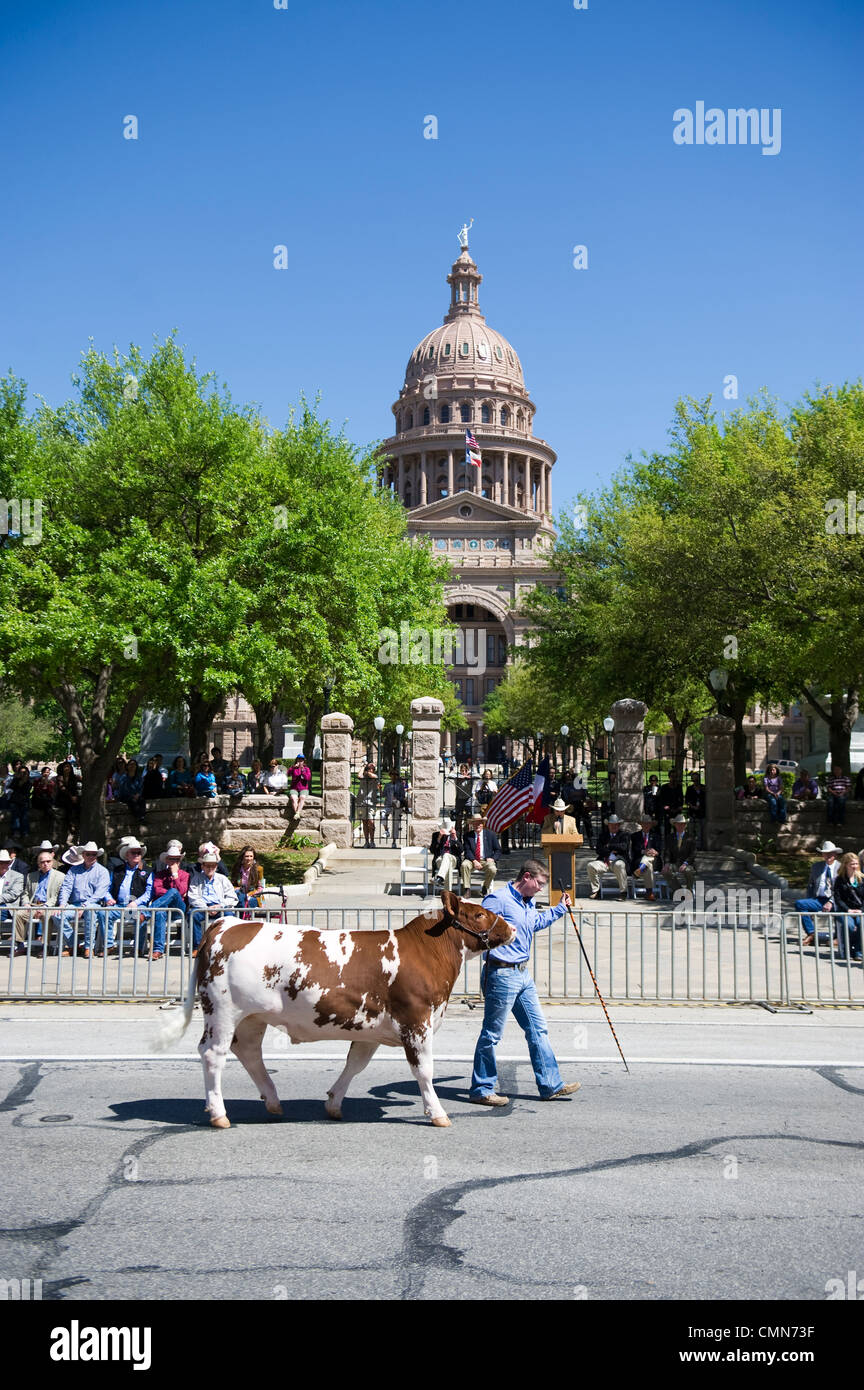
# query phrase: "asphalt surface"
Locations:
[[726, 1165]]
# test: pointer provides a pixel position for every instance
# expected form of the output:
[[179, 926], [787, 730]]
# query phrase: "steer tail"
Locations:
[[173, 1030]]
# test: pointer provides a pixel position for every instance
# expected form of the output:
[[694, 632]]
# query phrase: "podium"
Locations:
[[560, 851]]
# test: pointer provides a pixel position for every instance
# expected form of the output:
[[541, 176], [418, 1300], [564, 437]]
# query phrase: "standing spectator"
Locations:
[[130, 790], [650, 797], [487, 789], [670, 799], [68, 798], [247, 877], [395, 802], [613, 855], [218, 765], [86, 885], [838, 789], [153, 785], [300, 780], [167, 887], [205, 780], [275, 779], [464, 785], [41, 891], [694, 799], [211, 895], [806, 788], [367, 803], [820, 892], [119, 771], [679, 860], [505, 766], [773, 790], [181, 781], [43, 794], [19, 802], [255, 778], [849, 896]]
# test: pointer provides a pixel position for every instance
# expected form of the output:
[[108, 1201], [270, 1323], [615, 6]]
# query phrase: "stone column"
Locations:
[[336, 730], [426, 715], [506, 497], [719, 782], [629, 716], [449, 472], [424, 481]]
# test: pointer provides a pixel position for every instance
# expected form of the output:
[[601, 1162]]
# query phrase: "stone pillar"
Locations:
[[629, 716], [424, 481], [506, 497], [426, 715], [336, 731], [719, 782], [449, 472]]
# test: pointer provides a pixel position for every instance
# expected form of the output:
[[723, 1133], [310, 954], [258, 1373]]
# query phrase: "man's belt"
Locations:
[[494, 964]]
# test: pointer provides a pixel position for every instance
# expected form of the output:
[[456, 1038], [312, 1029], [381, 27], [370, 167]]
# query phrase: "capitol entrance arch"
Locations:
[[480, 660]]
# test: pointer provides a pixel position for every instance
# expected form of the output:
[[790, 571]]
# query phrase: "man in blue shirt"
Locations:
[[508, 985]]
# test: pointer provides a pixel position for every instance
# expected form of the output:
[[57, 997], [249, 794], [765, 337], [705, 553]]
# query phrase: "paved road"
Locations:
[[698, 1180]]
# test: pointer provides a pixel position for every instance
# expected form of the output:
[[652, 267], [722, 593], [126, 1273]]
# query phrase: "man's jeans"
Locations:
[[836, 810], [510, 989], [815, 905], [173, 898], [88, 921]]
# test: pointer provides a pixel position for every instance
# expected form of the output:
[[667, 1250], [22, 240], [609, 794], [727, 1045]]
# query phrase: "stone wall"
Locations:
[[805, 830], [260, 821]]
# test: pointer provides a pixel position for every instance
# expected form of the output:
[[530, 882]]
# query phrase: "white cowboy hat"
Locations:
[[5, 856], [446, 823], [680, 819], [130, 842], [559, 805], [91, 847], [46, 844], [208, 847], [828, 847], [211, 857], [72, 857]]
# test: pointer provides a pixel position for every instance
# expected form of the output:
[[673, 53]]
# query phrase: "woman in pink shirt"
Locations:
[[300, 778]]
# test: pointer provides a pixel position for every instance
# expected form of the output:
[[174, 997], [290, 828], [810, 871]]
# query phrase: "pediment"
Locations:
[[482, 509]]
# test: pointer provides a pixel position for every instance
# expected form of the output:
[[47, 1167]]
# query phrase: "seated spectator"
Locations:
[[153, 786], [679, 859], [119, 771], [205, 780], [130, 790], [275, 779], [445, 854], [211, 895], [11, 888], [751, 790], [805, 786], [18, 800], [645, 857], [613, 856], [233, 783], [167, 887], [208, 847], [838, 788], [127, 890], [255, 778], [480, 850], [773, 792], [247, 876], [300, 781], [849, 900], [86, 886], [181, 782], [19, 864], [820, 893], [41, 891]]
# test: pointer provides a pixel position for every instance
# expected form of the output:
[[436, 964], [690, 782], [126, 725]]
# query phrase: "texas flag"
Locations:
[[472, 450], [542, 796]]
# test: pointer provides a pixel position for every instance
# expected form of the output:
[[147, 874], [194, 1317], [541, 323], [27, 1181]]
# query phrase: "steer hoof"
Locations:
[[441, 1121], [333, 1110], [220, 1122], [274, 1108]]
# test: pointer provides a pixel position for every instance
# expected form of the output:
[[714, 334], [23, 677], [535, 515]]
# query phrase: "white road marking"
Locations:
[[808, 1062]]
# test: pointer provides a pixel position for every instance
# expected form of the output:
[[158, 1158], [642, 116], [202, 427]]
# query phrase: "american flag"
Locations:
[[472, 450], [512, 798]]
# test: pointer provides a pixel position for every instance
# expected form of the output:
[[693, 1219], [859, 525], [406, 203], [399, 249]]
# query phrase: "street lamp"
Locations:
[[565, 729], [328, 691], [400, 729], [719, 679], [379, 725]]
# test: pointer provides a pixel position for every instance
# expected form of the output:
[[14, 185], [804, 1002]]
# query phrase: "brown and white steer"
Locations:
[[374, 987]]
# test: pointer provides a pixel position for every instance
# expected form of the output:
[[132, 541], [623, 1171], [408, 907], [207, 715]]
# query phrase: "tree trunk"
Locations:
[[202, 712], [95, 748], [840, 716], [679, 738], [265, 713], [314, 710]]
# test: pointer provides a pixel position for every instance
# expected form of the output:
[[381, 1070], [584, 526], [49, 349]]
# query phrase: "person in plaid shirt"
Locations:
[[838, 787]]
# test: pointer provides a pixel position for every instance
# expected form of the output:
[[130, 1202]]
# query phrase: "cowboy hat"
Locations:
[[130, 842], [72, 857], [91, 847], [680, 819], [46, 844], [5, 856], [211, 857], [614, 820], [828, 847], [559, 805]]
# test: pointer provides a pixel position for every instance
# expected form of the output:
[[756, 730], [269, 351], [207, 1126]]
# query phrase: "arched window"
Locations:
[[505, 415], [409, 423], [445, 415], [427, 419], [448, 348], [431, 352], [464, 348], [520, 420], [484, 414], [465, 414]]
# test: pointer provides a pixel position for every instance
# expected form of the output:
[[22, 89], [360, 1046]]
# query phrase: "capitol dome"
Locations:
[[465, 342]]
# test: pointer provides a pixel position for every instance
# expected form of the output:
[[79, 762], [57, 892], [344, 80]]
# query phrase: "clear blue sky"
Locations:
[[304, 126]]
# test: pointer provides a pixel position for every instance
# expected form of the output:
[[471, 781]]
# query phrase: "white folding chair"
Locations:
[[407, 868]]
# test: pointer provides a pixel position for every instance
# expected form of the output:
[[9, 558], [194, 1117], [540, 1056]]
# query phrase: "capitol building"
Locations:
[[492, 523]]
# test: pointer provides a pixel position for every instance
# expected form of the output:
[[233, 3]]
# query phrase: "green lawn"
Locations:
[[286, 865]]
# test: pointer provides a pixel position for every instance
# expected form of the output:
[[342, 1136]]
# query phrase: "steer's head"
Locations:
[[480, 929]]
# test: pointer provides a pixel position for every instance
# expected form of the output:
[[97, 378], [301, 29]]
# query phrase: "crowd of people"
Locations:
[[55, 793], [80, 904], [838, 786]]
